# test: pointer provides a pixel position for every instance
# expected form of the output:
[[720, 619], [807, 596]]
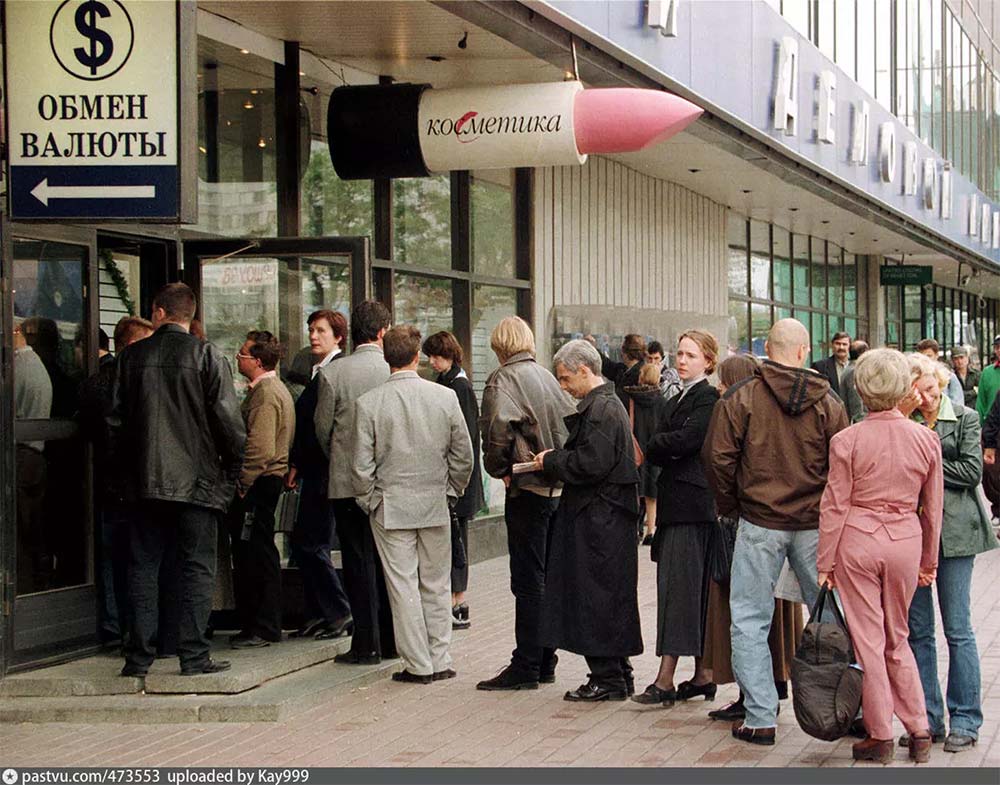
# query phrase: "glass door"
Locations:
[[50, 336]]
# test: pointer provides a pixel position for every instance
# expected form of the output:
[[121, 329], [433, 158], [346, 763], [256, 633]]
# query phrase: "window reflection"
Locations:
[[422, 221]]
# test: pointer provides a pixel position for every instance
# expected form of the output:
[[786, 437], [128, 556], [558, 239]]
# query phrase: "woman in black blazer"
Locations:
[[685, 513]]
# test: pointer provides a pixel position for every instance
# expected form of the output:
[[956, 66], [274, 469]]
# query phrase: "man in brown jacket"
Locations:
[[767, 459], [269, 414]]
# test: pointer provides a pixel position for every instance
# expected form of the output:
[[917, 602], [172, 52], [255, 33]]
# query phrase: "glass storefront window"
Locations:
[[426, 303], [739, 340], [490, 304], [760, 324], [850, 284], [782, 265], [820, 335], [736, 230], [421, 208], [883, 53], [492, 223], [818, 284], [760, 260], [866, 47], [845, 44], [237, 184], [835, 278], [800, 270]]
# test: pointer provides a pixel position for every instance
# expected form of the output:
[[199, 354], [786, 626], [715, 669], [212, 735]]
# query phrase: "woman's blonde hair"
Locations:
[[649, 374], [882, 377], [706, 343], [512, 336], [921, 365]]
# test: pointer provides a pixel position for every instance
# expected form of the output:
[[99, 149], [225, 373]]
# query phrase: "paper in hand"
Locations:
[[523, 468]]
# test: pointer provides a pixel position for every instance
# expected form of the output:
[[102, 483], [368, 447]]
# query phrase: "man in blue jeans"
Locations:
[[766, 455]]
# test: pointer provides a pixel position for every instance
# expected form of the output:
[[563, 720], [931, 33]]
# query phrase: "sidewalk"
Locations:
[[452, 724]]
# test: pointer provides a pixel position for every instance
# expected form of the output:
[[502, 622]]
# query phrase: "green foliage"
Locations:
[[121, 285]]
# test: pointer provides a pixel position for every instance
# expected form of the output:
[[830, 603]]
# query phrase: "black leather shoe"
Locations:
[[329, 631], [510, 679], [958, 742], [412, 678], [547, 675], [647, 540], [209, 666], [350, 658], [729, 712], [251, 642], [763, 736], [688, 689], [591, 692], [447, 673], [134, 670], [309, 629], [654, 696], [458, 621]]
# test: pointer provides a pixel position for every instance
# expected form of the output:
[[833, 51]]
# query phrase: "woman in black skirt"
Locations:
[[445, 356], [685, 514]]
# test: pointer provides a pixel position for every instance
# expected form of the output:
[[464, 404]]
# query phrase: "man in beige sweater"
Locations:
[[269, 414]]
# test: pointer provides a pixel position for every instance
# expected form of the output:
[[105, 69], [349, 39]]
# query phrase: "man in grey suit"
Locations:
[[412, 460], [340, 384]]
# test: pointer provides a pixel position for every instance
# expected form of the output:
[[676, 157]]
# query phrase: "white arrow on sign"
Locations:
[[43, 192]]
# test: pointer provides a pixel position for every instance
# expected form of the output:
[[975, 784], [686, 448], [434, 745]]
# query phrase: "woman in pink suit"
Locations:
[[879, 529]]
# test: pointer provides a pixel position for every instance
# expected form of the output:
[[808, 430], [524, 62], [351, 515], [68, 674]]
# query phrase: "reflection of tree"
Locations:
[[422, 221], [492, 229], [331, 206]]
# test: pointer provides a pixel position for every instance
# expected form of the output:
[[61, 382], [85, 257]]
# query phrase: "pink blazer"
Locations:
[[885, 472]]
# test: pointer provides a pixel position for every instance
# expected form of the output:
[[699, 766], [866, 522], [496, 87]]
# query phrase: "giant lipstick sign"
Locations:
[[407, 130]]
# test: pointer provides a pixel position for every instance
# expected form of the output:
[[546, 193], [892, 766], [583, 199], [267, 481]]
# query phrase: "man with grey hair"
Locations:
[[591, 605], [766, 456], [856, 410]]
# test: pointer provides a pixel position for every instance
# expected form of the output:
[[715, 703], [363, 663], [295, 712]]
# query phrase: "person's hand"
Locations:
[[825, 579], [926, 577], [290, 482], [539, 460], [990, 456], [909, 404], [506, 481]]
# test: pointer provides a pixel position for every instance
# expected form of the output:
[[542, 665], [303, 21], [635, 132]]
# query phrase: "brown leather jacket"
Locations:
[[522, 414], [767, 449]]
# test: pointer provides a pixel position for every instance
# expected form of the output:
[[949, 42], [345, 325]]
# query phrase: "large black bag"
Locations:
[[826, 680], [721, 549]]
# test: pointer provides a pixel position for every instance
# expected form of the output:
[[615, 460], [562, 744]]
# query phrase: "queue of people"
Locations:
[[391, 464]]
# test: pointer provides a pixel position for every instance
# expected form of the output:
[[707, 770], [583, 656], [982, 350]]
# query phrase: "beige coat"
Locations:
[[269, 415]]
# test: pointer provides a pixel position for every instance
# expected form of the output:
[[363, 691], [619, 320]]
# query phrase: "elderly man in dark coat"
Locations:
[[591, 605]]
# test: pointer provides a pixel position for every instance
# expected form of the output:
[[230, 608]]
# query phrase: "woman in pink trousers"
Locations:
[[879, 529]]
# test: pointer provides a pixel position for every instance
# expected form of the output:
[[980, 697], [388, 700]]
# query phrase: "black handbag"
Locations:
[[721, 551], [459, 559]]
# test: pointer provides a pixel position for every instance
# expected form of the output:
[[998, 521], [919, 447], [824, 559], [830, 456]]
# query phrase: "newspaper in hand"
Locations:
[[523, 468]]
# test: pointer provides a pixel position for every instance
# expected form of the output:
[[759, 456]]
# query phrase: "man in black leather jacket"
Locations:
[[176, 423]]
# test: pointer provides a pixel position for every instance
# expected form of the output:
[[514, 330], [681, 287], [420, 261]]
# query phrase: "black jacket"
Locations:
[[94, 398], [176, 422], [590, 605], [684, 495], [306, 454], [621, 375], [472, 500], [969, 386], [827, 368]]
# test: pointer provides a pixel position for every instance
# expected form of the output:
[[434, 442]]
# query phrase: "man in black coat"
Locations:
[[591, 604], [625, 373], [176, 424], [832, 368]]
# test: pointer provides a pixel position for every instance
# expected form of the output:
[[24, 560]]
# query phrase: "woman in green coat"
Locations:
[[965, 532]]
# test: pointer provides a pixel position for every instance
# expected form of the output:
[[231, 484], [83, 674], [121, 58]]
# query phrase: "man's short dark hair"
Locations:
[[336, 320], [839, 336], [177, 301], [367, 319], [655, 347], [444, 344], [128, 329], [634, 347], [929, 343], [264, 347], [103, 341], [401, 345], [857, 349]]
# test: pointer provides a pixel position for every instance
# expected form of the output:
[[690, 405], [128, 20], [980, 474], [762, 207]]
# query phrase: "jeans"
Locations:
[[954, 579], [528, 517], [758, 558]]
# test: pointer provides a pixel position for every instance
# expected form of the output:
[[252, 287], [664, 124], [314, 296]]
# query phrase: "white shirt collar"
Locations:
[[324, 362]]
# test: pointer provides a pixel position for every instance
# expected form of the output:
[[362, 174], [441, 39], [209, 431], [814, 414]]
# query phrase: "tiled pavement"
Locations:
[[452, 724]]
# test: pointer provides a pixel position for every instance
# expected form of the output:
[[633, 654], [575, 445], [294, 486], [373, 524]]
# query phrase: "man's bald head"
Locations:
[[788, 343]]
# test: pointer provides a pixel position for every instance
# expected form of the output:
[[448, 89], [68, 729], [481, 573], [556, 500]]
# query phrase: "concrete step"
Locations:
[[273, 701], [99, 675]]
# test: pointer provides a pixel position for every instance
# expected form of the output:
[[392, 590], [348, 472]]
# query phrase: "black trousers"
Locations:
[[611, 672], [312, 541], [528, 517], [256, 562], [364, 581], [460, 575], [186, 533]]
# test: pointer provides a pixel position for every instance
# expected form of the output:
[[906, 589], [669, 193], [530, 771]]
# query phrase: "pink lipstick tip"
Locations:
[[626, 119]]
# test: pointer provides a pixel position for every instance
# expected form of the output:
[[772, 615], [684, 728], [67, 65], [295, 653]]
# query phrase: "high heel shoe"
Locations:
[[688, 689]]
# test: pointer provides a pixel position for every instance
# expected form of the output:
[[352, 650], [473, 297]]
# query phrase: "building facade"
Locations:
[[839, 138]]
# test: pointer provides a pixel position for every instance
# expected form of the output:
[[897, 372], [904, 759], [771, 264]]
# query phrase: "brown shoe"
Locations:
[[764, 736], [920, 748], [875, 750]]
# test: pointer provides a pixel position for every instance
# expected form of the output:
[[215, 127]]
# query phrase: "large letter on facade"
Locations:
[[972, 218], [910, 168], [946, 190], [859, 133], [887, 151], [986, 225], [930, 183], [662, 14], [786, 91], [827, 107]]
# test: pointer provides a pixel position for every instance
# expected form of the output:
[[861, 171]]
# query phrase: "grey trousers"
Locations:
[[417, 567]]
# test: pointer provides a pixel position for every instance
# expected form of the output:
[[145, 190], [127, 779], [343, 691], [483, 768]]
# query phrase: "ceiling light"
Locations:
[[694, 171], [261, 143], [248, 104], [302, 73], [203, 149], [244, 51], [254, 92]]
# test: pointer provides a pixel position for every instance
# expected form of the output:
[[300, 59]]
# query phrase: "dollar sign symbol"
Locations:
[[86, 25]]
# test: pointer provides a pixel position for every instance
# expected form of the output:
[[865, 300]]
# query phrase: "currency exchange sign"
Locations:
[[92, 106]]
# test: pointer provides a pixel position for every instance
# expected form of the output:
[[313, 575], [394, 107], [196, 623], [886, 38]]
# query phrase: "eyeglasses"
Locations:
[[240, 356]]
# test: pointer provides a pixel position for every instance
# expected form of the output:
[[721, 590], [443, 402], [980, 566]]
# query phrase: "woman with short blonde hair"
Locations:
[[512, 336], [882, 377]]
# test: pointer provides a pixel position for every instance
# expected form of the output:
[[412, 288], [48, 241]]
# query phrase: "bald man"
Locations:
[[766, 455]]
